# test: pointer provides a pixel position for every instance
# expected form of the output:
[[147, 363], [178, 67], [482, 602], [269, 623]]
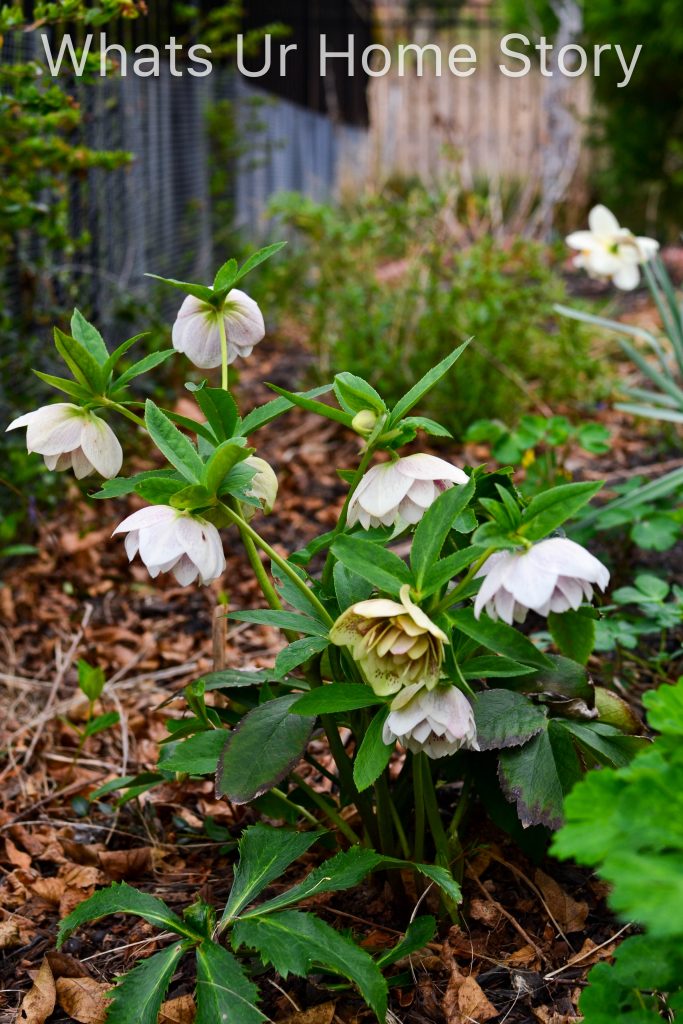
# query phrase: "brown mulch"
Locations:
[[531, 929]]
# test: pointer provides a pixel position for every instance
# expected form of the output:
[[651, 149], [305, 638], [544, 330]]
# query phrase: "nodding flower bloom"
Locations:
[[263, 484], [197, 335], [552, 576], [394, 644], [170, 540], [436, 722], [402, 490], [610, 252], [69, 437]]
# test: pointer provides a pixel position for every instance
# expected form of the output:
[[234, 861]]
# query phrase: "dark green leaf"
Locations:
[[144, 365], [294, 943], [69, 387], [82, 364], [490, 666], [283, 620], [139, 994], [200, 291], [220, 410], [444, 571], [328, 412], [574, 634], [121, 898], [434, 527], [263, 748], [229, 678], [373, 754], [177, 448], [499, 637], [196, 755], [326, 700], [89, 337], [537, 776], [355, 394], [299, 652], [265, 854], [271, 410], [257, 258], [430, 379], [382, 568], [506, 719], [550, 509], [225, 457], [225, 995], [419, 933], [349, 588]]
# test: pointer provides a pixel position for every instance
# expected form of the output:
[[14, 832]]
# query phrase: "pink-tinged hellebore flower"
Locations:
[[401, 491], [394, 644], [169, 540], [196, 332], [436, 722], [552, 576], [263, 484], [609, 252], [69, 437]]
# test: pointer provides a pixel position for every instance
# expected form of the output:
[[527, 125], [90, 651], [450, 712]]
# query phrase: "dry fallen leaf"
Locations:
[[569, 913], [39, 1001], [465, 1001], [120, 864], [321, 1014], [181, 1010], [84, 999], [15, 856], [9, 934]]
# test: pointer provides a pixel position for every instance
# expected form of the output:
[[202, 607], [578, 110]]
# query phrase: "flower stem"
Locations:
[[328, 809], [400, 831], [418, 788], [301, 811], [224, 351], [133, 417], [341, 523], [282, 563], [384, 824], [453, 596]]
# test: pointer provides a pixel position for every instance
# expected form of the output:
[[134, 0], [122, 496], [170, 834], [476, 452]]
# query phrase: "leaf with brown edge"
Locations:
[[39, 1002]]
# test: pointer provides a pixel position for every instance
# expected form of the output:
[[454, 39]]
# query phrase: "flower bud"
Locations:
[[263, 483], [613, 710], [364, 422]]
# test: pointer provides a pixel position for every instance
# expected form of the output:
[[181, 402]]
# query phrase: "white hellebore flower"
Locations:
[[263, 484], [401, 491], [437, 722], [170, 540], [395, 644], [196, 332], [552, 576], [608, 251], [69, 437]]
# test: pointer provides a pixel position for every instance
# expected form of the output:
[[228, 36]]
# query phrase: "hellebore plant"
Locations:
[[412, 668]]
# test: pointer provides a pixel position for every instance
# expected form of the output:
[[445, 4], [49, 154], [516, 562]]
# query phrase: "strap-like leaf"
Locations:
[[294, 942], [89, 337], [430, 379], [265, 853], [139, 994], [177, 448], [435, 526], [373, 754], [225, 995], [374, 563], [326, 700], [121, 898]]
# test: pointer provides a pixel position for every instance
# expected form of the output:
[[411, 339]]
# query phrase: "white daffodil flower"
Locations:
[[609, 252], [402, 490], [196, 332], [436, 722], [69, 437], [170, 540], [552, 576], [394, 644], [263, 484]]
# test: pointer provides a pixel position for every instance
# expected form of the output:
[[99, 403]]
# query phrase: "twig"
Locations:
[[589, 952], [57, 682], [534, 888], [508, 916]]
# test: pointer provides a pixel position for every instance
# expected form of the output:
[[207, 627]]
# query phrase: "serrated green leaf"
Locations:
[[349, 588], [82, 364], [334, 697], [550, 509], [225, 995], [229, 678], [138, 995], [144, 365], [491, 666], [297, 653], [425, 384], [506, 719], [177, 448], [382, 568], [225, 276], [265, 854], [69, 387], [265, 414], [200, 291], [418, 934], [574, 634], [328, 412], [374, 754], [220, 410], [196, 755], [435, 526], [536, 776], [499, 637], [449, 567], [355, 394], [294, 943], [225, 457], [257, 258], [120, 898], [283, 620], [263, 748], [89, 337]]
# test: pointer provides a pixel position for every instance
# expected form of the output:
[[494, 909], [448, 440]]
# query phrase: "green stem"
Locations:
[[282, 563], [384, 824], [400, 831], [302, 811], [133, 417], [453, 596], [224, 351], [436, 826], [328, 809], [418, 788], [341, 523]]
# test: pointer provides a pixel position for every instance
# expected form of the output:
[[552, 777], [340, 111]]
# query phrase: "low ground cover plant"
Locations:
[[415, 669]]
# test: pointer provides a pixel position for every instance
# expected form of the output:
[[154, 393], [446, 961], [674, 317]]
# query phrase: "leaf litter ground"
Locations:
[[532, 929]]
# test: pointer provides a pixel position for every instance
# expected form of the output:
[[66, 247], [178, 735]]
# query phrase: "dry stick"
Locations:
[[506, 914], [589, 952], [534, 888], [58, 680]]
